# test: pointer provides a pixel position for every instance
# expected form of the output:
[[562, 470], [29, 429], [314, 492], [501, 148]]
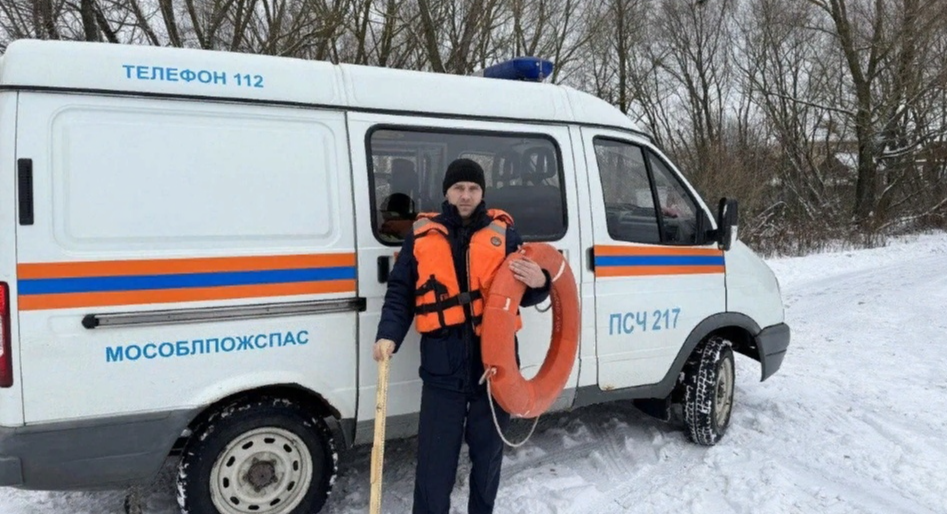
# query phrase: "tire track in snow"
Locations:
[[598, 443], [671, 457]]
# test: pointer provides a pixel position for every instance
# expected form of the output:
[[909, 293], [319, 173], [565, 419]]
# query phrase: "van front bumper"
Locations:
[[105, 453], [772, 343]]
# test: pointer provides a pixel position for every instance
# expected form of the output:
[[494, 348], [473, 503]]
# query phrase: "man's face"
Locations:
[[466, 196]]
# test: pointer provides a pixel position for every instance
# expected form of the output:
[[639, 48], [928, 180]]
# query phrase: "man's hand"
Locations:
[[383, 349], [528, 272]]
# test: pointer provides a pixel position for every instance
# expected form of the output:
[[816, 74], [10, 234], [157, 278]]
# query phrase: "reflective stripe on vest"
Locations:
[[438, 301]]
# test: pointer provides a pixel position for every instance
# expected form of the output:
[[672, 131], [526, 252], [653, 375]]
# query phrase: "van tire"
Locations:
[[257, 449], [708, 391]]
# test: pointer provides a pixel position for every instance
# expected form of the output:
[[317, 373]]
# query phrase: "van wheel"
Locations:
[[708, 392], [260, 456]]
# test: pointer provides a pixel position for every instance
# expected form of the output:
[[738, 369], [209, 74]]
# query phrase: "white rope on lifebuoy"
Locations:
[[496, 423]]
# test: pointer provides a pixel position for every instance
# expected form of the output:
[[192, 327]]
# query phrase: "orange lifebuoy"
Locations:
[[518, 396]]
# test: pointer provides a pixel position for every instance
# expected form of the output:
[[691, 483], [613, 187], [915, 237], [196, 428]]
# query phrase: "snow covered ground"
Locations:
[[854, 422]]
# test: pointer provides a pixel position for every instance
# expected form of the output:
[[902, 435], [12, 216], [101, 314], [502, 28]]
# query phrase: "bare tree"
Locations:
[[459, 28], [880, 43], [382, 33], [618, 35], [557, 30], [36, 19], [791, 70], [694, 55]]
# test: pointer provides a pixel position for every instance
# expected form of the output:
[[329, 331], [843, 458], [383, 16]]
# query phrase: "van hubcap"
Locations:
[[267, 470], [724, 394], [261, 474]]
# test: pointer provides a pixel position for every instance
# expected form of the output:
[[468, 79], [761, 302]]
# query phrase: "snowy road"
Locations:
[[854, 422]]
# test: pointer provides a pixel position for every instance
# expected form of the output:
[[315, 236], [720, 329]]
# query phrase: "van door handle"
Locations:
[[384, 268], [24, 170]]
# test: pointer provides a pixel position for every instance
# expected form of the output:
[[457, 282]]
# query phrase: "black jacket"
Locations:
[[450, 357]]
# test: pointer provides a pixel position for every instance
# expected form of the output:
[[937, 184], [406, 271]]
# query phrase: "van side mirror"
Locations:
[[728, 213]]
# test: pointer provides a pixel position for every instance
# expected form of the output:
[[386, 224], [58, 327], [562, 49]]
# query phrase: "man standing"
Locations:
[[441, 279]]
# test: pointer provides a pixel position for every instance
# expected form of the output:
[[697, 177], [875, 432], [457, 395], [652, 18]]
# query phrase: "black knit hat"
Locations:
[[463, 170]]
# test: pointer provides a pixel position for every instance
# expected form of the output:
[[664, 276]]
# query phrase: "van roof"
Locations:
[[150, 70]]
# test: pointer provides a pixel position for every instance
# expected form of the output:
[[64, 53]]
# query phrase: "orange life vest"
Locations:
[[438, 300]]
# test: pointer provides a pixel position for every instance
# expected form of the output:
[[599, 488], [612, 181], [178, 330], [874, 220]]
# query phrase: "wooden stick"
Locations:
[[378, 449]]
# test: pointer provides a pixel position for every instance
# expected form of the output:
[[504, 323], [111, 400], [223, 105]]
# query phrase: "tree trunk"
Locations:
[[89, 27]]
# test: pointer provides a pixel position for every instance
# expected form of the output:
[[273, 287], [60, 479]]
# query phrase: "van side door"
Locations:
[[656, 274], [398, 168]]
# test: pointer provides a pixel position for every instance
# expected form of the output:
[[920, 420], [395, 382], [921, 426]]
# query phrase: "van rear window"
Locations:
[[174, 176], [522, 171]]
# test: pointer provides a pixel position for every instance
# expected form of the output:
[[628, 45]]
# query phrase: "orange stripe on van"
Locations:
[[175, 266], [103, 299]]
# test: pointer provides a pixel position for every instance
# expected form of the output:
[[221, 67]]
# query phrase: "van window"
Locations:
[[678, 210], [212, 174], [629, 204], [522, 172]]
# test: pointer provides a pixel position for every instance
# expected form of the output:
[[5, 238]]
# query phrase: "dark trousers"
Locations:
[[441, 430]]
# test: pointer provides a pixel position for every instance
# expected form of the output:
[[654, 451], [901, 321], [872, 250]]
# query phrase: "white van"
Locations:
[[194, 247]]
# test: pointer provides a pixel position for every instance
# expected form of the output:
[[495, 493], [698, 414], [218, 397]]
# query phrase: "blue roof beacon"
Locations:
[[530, 69]]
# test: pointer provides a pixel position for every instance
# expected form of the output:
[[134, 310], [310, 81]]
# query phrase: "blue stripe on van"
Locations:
[[660, 260], [181, 281]]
